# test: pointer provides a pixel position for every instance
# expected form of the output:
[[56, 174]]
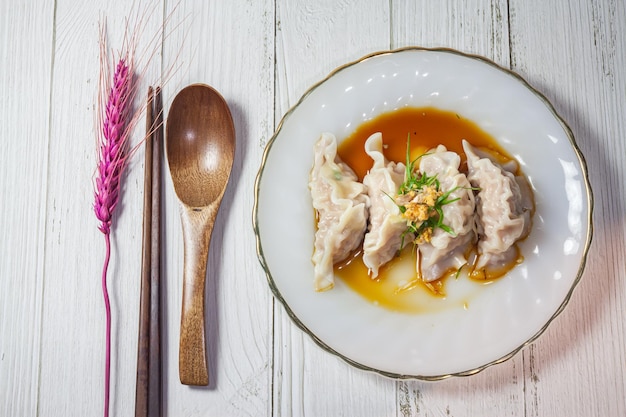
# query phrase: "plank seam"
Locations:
[[44, 217]]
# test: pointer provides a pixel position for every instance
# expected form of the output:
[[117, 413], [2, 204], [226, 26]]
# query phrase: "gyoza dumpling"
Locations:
[[341, 204], [503, 206], [445, 250], [384, 236]]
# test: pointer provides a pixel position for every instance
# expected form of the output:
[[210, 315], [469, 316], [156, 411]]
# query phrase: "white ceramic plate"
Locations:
[[503, 317]]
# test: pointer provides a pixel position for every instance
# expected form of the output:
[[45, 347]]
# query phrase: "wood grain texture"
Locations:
[[73, 310], [312, 39], [200, 149], [144, 343], [262, 56], [229, 46], [148, 387], [26, 40], [197, 227], [577, 367], [474, 26]]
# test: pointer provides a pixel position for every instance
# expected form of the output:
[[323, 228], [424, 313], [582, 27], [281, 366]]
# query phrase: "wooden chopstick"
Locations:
[[154, 395], [148, 388]]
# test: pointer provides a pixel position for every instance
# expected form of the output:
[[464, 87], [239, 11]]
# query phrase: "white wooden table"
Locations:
[[262, 56]]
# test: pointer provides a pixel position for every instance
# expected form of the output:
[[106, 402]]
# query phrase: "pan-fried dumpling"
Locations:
[[446, 250], [503, 209], [386, 225], [341, 205]]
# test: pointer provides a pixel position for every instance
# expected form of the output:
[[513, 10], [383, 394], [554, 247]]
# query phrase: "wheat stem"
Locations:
[[107, 306]]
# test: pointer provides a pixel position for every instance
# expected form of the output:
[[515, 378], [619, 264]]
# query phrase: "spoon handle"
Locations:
[[197, 227]]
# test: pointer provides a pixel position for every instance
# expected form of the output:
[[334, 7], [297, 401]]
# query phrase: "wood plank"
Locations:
[[574, 53], [228, 45], [26, 32], [311, 40], [497, 391], [73, 311], [476, 27]]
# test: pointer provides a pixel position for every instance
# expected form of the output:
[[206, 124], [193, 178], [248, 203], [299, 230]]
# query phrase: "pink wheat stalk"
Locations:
[[113, 150], [113, 147], [115, 120]]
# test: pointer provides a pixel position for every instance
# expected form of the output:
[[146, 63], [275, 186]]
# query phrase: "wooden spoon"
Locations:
[[200, 148]]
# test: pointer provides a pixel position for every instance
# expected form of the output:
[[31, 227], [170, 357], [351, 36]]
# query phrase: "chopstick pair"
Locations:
[[148, 388]]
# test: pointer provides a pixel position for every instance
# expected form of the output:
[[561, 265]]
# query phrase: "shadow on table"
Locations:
[[214, 268]]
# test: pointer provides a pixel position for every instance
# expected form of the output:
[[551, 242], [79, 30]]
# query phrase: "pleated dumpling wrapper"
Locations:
[[503, 205], [341, 205], [383, 239], [446, 249]]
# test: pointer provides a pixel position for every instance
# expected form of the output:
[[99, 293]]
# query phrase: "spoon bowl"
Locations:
[[200, 147]]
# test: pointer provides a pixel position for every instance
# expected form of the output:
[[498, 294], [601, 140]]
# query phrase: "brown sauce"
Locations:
[[398, 286], [427, 127]]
